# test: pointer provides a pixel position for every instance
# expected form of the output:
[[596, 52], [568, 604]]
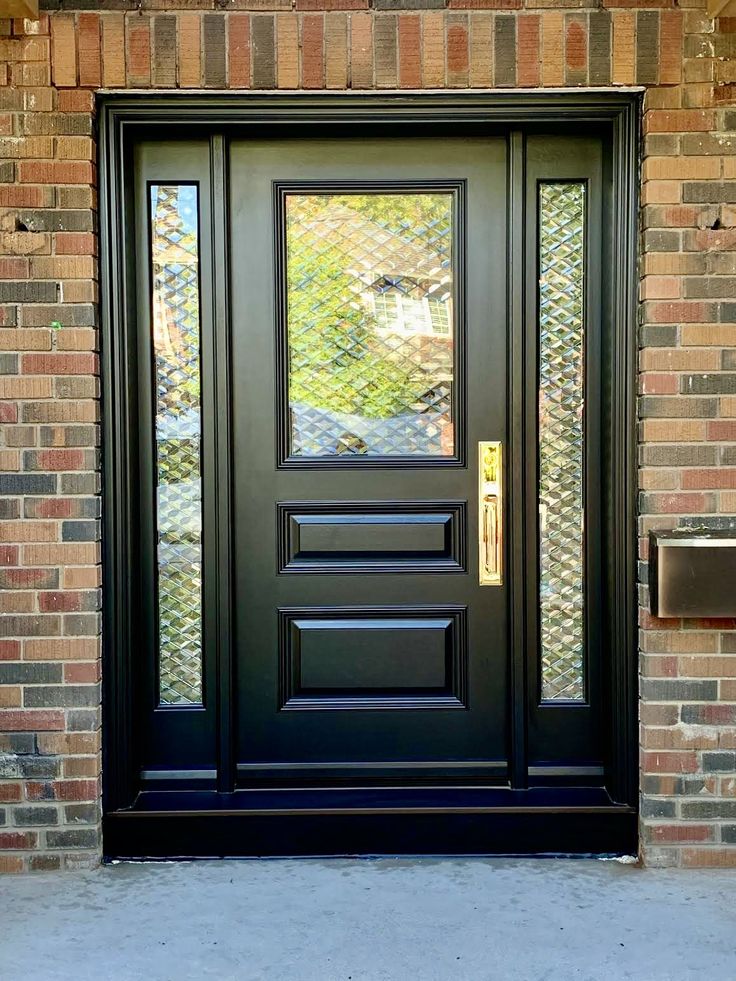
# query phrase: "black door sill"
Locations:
[[386, 821]]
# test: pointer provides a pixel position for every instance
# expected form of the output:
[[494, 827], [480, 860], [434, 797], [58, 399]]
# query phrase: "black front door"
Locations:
[[373, 485], [369, 362]]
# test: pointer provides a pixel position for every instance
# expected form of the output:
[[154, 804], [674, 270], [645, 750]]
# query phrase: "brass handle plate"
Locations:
[[490, 512]]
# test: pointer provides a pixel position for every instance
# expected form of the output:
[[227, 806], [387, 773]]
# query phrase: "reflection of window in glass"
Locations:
[[370, 359], [561, 438], [176, 350], [406, 314], [439, 315], [386, 308]]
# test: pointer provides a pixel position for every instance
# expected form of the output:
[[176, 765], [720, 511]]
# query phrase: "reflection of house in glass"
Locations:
[[370, 324]]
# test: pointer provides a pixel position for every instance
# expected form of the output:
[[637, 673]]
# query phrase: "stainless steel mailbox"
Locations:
[[692, 574]]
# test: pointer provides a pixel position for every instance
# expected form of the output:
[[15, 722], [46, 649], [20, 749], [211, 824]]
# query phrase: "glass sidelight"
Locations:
[[561, 210], [177, 423]]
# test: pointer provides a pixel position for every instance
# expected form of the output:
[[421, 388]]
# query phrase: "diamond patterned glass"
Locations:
[[561, 435], [176, 347], [370, 324]]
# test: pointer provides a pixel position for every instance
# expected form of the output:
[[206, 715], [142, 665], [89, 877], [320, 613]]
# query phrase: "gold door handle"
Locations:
[[490, 512]]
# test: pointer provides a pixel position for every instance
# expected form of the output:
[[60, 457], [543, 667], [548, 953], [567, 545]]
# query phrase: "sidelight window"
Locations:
[[177, 424], [561, 438]]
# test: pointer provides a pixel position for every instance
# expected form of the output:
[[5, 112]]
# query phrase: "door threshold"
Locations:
[[379, 821]]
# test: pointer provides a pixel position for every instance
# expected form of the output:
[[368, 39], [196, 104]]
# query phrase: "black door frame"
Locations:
[[516, 820]]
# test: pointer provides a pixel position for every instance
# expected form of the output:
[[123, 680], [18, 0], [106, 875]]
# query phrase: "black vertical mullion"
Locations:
[[531, 448], [221, 497], [516, 467]]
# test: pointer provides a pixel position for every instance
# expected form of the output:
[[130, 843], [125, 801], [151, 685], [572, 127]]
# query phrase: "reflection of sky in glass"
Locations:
[[187, 208]]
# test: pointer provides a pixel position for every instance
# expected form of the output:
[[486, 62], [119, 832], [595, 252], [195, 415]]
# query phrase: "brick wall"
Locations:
[[49, 573]]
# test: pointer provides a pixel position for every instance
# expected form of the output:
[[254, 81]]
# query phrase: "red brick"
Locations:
[[680, 832], [528, 36], [239, 51], [10, 793], [670, 47], [664, 762], [576, 45], [75, 100], [139, 51], [410, 51], [722, 430], [76, 790], [59, 364], [17, 196], [31, 172], [458, 51], [674, 313], [28, 720], [54, 602], [87, 673], [714, 478], [75, 243], [18, 839], [679, 121], [88, 46], [8, 555], [313, 55], [658, 383]]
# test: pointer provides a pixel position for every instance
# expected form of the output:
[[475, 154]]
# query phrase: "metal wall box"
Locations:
[[692, 574]]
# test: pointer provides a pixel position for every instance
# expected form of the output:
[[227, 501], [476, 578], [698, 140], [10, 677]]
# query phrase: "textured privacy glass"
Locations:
[[561, 428], [370, 324], [175, 278]]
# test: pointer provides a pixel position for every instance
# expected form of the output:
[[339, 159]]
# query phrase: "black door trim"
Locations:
[[122, 117]]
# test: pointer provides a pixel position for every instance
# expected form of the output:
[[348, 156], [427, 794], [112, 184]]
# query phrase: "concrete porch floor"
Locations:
[[370, 920]]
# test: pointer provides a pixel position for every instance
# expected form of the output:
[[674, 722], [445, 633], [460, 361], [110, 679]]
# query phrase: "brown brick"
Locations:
[[64, 50], [361, 51], [190, 58], [433, 50], [336, 51], [60, 648], [623, 69], [481, 50], [553, 48], [701, 858], [385, 50]]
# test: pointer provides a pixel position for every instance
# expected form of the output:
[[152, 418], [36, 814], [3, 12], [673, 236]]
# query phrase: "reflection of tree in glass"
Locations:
[[176, 297], [339, 247]]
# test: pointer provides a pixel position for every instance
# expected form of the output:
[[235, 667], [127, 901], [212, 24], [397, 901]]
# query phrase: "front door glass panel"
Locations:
[[370, 324], [177, 424]]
